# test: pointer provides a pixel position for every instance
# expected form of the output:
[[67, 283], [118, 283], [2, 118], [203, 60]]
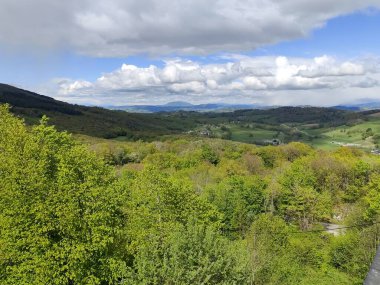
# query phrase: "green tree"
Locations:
[[372, 199], [59, 218], [300, 201], [191, 254], [158, 202], [240, 199], [209, 154]]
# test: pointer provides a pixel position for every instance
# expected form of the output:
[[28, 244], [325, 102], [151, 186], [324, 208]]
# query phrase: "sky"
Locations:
[[128, 52]]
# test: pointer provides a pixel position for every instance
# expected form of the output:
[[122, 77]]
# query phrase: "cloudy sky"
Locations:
[[124, 52]]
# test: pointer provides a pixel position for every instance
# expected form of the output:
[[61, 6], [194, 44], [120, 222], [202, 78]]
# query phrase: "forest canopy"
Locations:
[[199, 211]]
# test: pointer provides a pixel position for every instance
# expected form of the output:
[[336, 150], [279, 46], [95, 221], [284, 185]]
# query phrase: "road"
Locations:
[[373, 277]]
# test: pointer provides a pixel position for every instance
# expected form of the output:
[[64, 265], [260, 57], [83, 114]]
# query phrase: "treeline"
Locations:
[[181, 211]]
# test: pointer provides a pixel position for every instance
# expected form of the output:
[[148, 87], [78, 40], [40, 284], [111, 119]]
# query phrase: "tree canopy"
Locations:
[[200, 211]]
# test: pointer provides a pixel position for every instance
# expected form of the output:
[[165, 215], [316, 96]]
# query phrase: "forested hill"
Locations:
[[20, 98], [93, 121], [100, 122]]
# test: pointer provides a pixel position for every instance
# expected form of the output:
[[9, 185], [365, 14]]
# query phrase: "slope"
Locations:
[[93, 121]]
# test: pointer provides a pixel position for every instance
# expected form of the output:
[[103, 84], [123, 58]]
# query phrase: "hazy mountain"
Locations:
[[360, 106], [179, 104], [184, 106]]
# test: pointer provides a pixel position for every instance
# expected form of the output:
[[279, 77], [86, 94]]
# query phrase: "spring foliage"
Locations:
[[180, 212]]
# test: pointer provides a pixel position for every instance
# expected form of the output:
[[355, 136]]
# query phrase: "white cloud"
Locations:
[[68, 87], [191, 87], [367, 82], [122, 28], [130, 76], [251, 82], [327, 66], [244, 80]]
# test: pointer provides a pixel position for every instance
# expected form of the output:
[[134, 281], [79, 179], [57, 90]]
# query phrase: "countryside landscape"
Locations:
[[177, 142]]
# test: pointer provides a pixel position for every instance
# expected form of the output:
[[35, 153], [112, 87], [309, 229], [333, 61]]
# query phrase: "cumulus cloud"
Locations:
[[68, 87], [122, 28], [246, 79], [326, 66], [367, 82]]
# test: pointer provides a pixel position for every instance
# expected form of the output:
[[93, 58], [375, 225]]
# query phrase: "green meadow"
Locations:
[[364, 134]]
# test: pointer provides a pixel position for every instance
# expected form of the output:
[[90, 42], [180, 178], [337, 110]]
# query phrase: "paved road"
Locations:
[[373, 277]]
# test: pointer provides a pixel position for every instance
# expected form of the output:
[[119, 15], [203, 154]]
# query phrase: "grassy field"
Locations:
[[364, 134], [251, 135]]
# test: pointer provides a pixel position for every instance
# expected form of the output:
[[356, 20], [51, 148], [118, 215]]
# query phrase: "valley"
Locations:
[[324, 128]]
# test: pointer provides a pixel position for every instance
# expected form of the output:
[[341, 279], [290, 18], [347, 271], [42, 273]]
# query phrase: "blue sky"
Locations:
[[349, 38], [346, 36]]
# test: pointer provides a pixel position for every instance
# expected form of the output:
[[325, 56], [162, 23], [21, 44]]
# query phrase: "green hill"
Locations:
[[93, 121], [307, 124]]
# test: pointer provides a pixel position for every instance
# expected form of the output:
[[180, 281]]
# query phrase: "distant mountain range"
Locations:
[[224, 107], [184, 106], [359, 106]]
